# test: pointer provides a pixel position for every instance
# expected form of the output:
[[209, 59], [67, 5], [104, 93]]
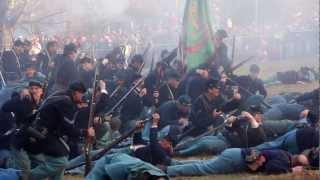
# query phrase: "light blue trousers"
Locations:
[[287, 142], [230, 161], [206, 144]]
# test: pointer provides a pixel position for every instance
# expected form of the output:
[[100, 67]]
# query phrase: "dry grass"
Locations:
[[277, 89], [73, 178], [244, 176], [268, 68], [310, 175]]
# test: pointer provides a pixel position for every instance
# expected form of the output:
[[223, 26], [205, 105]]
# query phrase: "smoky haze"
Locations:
[[274, 25]]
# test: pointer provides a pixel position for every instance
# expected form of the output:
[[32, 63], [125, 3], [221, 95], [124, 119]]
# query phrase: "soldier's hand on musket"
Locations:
[[236, 96], [250, 118], [139, 124], [247, 115], [183, 121], [143, 92], [102, 85], [97, 120], [216, 113], [231, 119], [155, 119], [108, 118], [304, 113], [91, 132]]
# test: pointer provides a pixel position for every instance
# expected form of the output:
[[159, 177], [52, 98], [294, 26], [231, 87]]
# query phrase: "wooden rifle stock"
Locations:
[[89, 139]]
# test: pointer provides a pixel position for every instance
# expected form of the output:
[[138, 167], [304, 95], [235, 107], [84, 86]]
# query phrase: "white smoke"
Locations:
[[106, 9], [111, 8]]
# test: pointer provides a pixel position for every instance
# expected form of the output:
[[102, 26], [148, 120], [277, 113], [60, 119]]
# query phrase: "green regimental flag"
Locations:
[[197, 35]]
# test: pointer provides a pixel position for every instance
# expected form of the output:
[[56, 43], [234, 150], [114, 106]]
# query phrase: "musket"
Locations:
[[168, 59], [49, 62], [123, 98], [132, 52], [4, 84], [18, 63], [233, 48], [248, 92], [109, 147], [115, 91], [141, 67], [239, 64], [89, 139], [211, 131], [152, 63], [190, 130], [170, 91], [144, 56], [145, 52], [48, 78]]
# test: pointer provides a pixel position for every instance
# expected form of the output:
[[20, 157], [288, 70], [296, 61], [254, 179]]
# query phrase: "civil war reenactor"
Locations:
[[168, 91], [237, 160], [310, 100], [132, 106], [167, 57], [26, 58], [153, 82], [46, 58], [208, 107], [25, 103], [146, 156], [159, 150], [136, 64], [242, 131], [118, 87], [196, 82], [23, 106], [220, 57], [11, 61], [86, 71], [55, 122], [31, 74], [250, 85], [82, 117], [227, 88], [66, 69], [175, 112], [108, 69], [295, 141]]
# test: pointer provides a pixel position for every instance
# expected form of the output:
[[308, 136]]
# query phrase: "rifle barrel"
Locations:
[[89, 139], [123, 98]]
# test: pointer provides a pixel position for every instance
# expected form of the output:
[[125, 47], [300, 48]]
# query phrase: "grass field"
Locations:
[[271, 67], [268, 68]]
